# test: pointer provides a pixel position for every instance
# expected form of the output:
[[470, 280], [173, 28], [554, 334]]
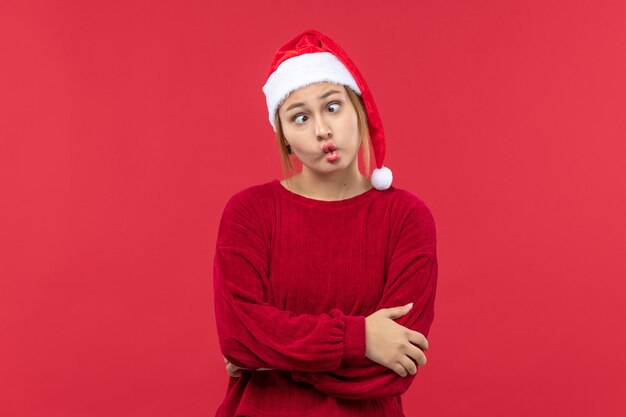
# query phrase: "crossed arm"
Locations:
[[256, 336]]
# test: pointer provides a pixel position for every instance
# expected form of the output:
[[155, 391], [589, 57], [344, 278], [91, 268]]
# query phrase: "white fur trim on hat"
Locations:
[[382, 178], [300, 71]]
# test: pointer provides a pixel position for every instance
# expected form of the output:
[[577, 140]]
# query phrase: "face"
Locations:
[[308, 115]]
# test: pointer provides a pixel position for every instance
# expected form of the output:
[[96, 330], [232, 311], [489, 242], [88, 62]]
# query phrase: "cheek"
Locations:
[[350, 127], [295, 137], [288, 133]]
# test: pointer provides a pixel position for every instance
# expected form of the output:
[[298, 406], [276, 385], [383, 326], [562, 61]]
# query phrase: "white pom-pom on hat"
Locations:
[[382, 178]]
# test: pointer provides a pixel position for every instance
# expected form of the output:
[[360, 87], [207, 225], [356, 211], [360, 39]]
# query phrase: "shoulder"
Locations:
[[250, 202], [241, 224], [408, 204], [414, 223], [252, 196]]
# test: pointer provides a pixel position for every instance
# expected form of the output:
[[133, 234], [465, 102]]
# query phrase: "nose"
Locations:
[[322, 130]]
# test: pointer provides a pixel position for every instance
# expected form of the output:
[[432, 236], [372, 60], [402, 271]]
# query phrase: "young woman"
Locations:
[[324, 282]]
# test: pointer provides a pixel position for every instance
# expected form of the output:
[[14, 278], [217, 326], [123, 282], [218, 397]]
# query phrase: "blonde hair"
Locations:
[[365, 144]]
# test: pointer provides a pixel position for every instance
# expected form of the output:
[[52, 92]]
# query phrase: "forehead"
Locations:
[[312, 92]]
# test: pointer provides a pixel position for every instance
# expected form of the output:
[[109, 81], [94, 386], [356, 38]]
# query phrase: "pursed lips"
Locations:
[[328, 147]]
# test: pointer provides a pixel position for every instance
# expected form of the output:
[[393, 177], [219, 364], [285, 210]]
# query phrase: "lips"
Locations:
[[331, 152], [328, 147]]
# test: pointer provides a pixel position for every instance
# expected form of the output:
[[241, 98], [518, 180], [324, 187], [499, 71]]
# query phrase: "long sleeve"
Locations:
[[412, 277], [252, 332]]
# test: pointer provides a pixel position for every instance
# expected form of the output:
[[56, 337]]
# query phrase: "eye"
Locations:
[[334, 103], [337, 103], [296, 116]]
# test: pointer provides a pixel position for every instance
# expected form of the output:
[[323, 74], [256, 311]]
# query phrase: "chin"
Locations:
[[340, 166]]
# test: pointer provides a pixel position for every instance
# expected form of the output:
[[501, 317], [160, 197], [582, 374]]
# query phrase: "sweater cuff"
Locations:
[[354, 341]]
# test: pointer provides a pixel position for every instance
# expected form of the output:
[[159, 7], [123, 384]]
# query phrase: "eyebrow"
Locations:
[[320, 97]]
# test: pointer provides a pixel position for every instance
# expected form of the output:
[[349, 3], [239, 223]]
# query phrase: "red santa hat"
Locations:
[[312, 57]]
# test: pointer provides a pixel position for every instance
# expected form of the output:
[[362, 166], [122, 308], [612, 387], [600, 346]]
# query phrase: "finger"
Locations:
[[399, 369], [418, 339], [396, 312], [416, 354], [408, 364], [233, 370]]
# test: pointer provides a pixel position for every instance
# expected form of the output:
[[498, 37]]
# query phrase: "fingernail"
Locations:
[[410, 305]]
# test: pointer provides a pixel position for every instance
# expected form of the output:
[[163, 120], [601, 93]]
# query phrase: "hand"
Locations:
[[233, 370], [391, 344]]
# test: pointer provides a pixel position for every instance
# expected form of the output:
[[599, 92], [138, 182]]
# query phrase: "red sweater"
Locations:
[[294, 279]]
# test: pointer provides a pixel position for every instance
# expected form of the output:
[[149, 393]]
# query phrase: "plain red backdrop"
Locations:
[[126, 125]]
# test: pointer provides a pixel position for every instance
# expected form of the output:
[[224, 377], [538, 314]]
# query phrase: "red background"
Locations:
[[126, 125]]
